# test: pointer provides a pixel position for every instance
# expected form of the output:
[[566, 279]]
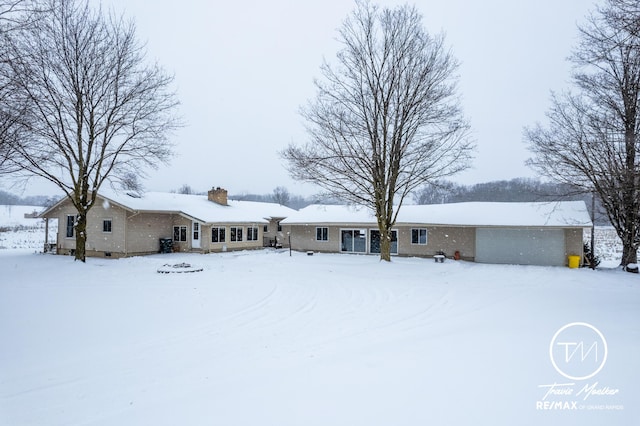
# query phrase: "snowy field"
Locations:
[[18, 232], [264, 338]]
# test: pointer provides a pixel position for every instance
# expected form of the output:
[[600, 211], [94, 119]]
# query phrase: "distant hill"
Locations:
[[514, 190], [9, 199], [13, 216]]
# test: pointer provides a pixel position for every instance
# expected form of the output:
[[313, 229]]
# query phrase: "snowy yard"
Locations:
[[262, 338]]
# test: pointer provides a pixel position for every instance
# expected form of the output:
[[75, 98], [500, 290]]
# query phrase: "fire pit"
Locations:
[[178, 268]]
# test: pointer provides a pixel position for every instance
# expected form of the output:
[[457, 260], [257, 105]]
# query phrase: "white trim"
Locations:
[[196, 235], [105, 219], [231, 232], [366, 240], [426, 236], [255, 236], [325, 228], [218, 229]]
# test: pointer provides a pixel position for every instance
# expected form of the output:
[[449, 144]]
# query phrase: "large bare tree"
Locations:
[[14, 14], [92, 109], [591, 139], [386, 118]]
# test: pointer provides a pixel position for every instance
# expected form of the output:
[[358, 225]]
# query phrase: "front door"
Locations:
[[195, 240]]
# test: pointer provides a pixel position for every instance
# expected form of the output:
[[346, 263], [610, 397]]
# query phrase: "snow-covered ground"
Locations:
[[264, 338], [18, 232]]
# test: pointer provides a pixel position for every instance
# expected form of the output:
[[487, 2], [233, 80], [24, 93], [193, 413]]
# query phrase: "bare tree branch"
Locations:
[[386, 119], [591, 140], [91, 109]]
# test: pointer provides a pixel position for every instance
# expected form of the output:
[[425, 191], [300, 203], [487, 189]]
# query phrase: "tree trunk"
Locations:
[[385, 243], [81, 236], [384, 215], [629, 253]]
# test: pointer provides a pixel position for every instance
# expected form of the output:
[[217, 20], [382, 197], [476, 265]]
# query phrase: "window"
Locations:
[[180, 233], [218, 235], [419, 236], [279, 227], [265, 228], [236, 233], [374, 241], [252, 233], [354, 240], [106, 226], [322, 234], [71, 223], [196, 231]]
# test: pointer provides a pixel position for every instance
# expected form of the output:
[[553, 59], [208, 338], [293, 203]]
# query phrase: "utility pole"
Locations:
[[593, 226]]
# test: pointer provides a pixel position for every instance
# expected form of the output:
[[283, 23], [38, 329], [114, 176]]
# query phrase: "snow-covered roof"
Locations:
[[545, 214], [197, 207]]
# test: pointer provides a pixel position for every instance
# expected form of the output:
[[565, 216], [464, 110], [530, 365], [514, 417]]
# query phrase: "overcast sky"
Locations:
[[243, 68]]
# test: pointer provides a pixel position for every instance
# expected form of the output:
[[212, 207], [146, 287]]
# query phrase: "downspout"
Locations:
[[46, 234], [593, 233], [126, 220]]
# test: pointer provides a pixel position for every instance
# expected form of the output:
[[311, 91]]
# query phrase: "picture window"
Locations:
[[322, 234], [218, 235], [419, 236], [180, 233], [236, 234]]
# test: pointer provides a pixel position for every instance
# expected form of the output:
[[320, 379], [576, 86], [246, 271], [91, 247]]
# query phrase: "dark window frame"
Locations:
[[71, 225], [252, 233], [180, 233], [235, 234], [322, 233], [219, 233]]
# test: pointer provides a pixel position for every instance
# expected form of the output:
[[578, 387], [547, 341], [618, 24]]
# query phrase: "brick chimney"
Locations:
[[218, 195]]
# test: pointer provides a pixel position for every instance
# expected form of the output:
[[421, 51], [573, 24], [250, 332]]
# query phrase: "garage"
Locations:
[[521, 246]]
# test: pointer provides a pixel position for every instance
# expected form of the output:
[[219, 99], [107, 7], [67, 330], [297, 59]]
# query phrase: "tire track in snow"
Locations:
[[382, 312]]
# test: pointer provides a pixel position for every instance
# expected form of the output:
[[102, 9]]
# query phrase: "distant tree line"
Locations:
[[444, 191], [281, 195], [8, 199], [514, 190]]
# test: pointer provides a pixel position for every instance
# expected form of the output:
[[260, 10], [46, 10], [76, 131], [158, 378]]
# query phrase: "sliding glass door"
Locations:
[[374, 241], [353, 240]]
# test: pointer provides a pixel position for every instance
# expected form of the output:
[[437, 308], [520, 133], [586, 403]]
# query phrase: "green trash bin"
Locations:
[[166, 245]]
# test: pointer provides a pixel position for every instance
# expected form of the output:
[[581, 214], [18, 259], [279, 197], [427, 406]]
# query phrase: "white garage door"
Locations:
[[520, 246]]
